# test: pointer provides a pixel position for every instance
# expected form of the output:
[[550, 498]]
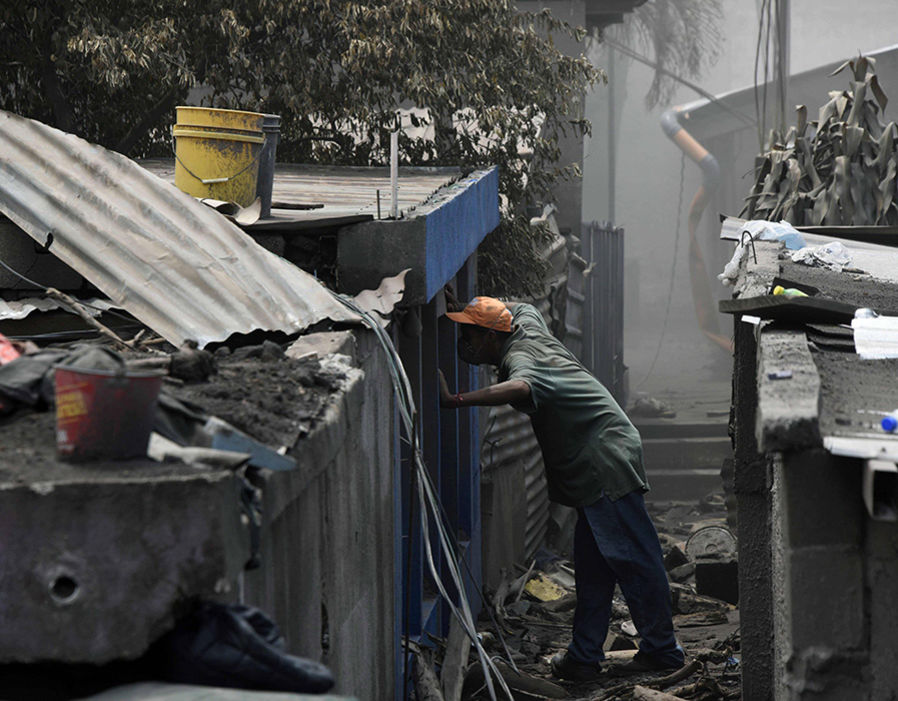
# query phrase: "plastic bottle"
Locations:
[[889, 422], [788, 291]]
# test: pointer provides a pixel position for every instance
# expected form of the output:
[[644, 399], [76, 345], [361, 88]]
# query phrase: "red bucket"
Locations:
[[104, 415]]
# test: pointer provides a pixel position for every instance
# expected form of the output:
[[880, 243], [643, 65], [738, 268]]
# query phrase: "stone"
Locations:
[[675, 557], [683, 572]]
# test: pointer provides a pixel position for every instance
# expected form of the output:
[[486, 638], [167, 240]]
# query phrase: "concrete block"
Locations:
[[825, 598], [270, 242], [752, 477], [327, 574], [96, 565], [323, 344], [756, 595], [22, 253], [369, 252], [882, 562], [787, 409], [718, 578], [823, 674], [822, 501]]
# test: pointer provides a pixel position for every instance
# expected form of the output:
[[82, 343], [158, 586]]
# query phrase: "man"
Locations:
[[593, 459]]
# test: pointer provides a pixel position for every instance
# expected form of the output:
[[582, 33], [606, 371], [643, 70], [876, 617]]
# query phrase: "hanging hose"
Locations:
[[429, 502], [702, 298]]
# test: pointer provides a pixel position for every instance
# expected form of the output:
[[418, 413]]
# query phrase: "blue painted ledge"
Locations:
[[434, 240]]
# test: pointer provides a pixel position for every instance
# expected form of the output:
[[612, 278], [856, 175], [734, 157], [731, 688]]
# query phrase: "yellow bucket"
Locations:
[[217, 153]]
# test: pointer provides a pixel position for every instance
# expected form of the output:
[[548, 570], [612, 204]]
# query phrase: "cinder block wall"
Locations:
[[753, 500], [327, 574], [817, 576], [822, 602]]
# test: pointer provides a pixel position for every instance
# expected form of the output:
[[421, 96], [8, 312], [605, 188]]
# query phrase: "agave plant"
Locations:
[[839, 170]]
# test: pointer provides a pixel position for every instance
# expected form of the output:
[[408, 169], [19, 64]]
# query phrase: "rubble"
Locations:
[[534, 612]]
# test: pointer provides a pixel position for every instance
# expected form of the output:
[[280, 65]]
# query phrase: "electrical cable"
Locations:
[[673, 270], [627, 51], [758, 116], [408, 576], [428, 501]]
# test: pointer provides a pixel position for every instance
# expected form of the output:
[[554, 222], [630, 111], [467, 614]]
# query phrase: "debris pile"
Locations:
[[259, 390], [530, 615]]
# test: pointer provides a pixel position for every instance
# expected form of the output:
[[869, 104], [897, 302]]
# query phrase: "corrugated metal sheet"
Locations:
[[178, 266], [510, 441], [335, 194], [603, 246]]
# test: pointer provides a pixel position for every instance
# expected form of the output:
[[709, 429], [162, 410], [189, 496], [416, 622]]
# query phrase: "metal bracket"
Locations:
[[751, 241]]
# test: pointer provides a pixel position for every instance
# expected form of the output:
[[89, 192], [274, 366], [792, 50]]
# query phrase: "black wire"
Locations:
[[46, 287], [630, 53], [673, 270], [408, 577]]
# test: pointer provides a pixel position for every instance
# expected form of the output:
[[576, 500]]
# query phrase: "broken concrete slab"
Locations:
[[323, 344], [98, 560]]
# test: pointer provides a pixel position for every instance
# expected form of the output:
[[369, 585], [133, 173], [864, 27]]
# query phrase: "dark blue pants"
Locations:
[[616, 542]]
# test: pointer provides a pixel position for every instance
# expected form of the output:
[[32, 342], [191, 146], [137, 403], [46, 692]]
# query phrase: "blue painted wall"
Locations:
[[457, 225]]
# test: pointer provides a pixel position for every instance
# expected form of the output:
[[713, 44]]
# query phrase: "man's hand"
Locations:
[[447, 399], [452, 303], [502, 393]]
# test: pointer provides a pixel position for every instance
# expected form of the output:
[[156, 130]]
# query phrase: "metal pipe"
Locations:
[[394, 175], [702, 298]]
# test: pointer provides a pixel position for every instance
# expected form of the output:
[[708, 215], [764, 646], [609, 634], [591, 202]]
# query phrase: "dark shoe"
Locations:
[[643, 664], [564, 667]]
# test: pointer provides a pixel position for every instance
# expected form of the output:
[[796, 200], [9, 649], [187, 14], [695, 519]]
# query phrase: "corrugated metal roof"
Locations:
[[335, 194], [181, 268]]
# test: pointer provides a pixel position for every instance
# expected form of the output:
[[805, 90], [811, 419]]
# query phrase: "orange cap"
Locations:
[[487, 312]]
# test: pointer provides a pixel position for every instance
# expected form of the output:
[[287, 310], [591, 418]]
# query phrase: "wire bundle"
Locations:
[[429, 502]]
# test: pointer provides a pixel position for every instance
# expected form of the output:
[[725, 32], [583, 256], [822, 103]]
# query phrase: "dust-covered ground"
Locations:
[[531, 615]]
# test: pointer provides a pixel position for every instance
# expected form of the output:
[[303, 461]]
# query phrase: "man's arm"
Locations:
[[501, 393]]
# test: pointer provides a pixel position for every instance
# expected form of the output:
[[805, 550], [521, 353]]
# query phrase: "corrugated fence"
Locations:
[[583, 306]]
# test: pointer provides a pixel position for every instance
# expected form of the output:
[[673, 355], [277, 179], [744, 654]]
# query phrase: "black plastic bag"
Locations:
[[237, 647]]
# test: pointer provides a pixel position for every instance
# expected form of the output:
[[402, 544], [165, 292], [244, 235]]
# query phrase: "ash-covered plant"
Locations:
[[839, 170]]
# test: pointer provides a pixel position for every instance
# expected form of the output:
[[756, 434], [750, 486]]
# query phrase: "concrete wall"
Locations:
[[327, 574], [821, 600], [753, 499], [817, 575]]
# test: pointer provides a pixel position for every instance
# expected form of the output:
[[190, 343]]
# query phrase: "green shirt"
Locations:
[[589, 446]]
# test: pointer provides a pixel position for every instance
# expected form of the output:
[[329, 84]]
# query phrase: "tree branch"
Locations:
[[149, 120], [62, 110]]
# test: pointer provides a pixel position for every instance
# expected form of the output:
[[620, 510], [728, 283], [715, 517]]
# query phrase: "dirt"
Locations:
[[260, 391], [28, 455], [276, 400]]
